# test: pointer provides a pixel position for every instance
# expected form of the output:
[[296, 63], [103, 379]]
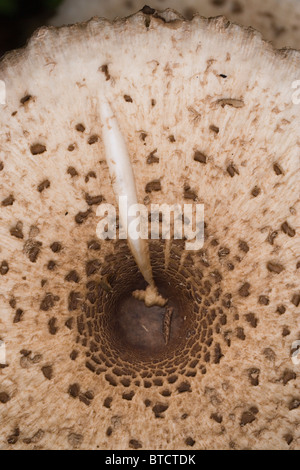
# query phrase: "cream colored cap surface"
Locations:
[[209, 115]]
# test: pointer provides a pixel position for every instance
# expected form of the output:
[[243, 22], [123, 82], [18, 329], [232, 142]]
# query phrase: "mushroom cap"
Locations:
[[277, 20], [214, 104]]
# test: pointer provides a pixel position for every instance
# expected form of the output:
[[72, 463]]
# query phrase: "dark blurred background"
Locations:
[[20, 18]]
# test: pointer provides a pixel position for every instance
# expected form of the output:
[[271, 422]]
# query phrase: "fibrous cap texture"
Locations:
[[209, 115]]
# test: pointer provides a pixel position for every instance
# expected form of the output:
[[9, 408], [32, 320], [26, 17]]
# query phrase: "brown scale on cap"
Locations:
[[208, 368], [152, 158], [38, 149], [72, 171], [8, 201], [93, 139], [80, 127], [44, 185]]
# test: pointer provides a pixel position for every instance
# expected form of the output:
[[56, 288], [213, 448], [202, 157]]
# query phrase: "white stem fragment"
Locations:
[[123, 183], [150, 297]]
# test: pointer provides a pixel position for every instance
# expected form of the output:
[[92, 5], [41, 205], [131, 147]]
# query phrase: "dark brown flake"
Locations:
[[294, 404], [25, 99], [128, 395], [18, 315], [200, 157], [111, 380], [244, 290], [184, 387], [218, 353], [56, 247], [72, 171], [107, 402], [104, 69], [281, 309], [38, 149], [214, 129], [44, 185], [80, 127], [272, 236], [14, 437], [4, 397], [47, 372], [94, 245], [243, 246], [32, 248], [251, 318], [74, 301], [288, 230], [247, 418], [240, 333], [94, 200], [159, 408], [152, 158], [256, 191], [48, 302], [135, 444], [92, 267], [8, 201], [263, 300], [288, 438], [89, 395], [287, 376], [53, 329], [84, 399], [4, 268], [216, 417], [188, 193], [277, 168], [74, 390], [74, 354], [69, 323], [223, 252], [154, 185], [51, 265], [93, 139], [253, 375], [190, 441], [91, 174], [233, 102], [296, 300], [73, 276], [232, 170], [275, 267], [286, 332], [82, 216], [128, 99], [17, 231]]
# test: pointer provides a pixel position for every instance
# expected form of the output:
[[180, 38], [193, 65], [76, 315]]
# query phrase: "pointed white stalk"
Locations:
[[122, 178]]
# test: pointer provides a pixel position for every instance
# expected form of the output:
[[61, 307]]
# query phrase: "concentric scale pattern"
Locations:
[[202, 325]]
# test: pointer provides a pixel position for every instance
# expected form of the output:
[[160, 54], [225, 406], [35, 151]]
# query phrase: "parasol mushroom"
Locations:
[[277, 20], [206, 109]]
